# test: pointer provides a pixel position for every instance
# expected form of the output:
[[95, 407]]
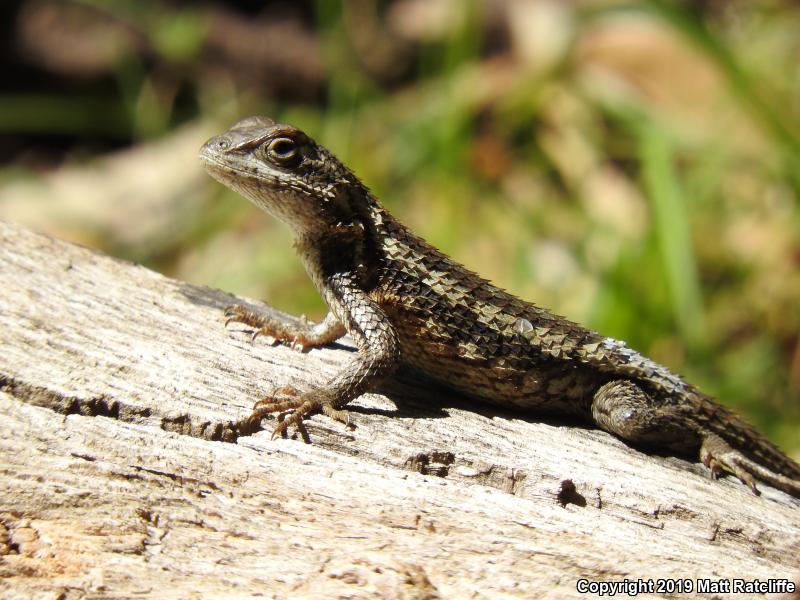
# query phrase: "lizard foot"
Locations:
[[273, 329], [717, 455], [300, 334], [301, 407]]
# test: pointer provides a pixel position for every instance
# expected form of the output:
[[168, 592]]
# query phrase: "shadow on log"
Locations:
[[122, 473]]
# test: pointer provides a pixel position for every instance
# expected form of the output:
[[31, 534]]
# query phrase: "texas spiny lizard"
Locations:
[[405, 302]]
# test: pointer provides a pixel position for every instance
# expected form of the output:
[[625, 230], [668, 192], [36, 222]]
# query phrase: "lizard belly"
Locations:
[[490, 366]]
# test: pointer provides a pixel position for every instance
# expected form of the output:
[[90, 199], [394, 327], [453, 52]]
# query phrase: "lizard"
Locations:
[[404, 302]]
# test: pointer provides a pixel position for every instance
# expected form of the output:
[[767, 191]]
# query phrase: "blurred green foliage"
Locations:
[[633, 165]]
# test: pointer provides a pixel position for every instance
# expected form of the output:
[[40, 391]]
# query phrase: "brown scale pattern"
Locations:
[[403, 301]]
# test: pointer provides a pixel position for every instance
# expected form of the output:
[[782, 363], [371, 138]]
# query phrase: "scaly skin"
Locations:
[[404, 302]]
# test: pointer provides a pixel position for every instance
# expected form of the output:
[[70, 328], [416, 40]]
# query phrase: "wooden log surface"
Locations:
[[121, 474]]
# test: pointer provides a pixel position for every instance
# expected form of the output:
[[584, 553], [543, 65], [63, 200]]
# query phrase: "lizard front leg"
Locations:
[[300, 335], [378, 355]]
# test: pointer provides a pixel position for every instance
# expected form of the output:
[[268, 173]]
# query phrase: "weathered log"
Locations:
[[122, 474]]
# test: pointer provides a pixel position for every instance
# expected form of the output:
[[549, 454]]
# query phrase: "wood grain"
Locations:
[[121, 475]]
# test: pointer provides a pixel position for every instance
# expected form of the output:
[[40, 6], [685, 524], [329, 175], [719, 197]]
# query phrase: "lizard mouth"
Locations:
[[221, 170], [240, 180]]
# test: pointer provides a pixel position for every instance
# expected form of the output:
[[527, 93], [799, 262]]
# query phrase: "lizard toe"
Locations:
[[342, 416], [304, 409], [719, 457]]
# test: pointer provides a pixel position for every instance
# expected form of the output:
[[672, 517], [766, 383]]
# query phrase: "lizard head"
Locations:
[[284, 172]]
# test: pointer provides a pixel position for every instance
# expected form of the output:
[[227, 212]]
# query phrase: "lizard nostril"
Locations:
[[216, 145]]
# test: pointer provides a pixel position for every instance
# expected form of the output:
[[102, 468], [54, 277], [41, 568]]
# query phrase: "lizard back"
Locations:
[[460, 329]]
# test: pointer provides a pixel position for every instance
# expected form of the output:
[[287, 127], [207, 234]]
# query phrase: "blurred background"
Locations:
[[634, 165]]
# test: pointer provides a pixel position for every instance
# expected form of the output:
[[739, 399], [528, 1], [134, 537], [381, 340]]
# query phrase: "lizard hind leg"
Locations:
[[718, 455], [623, 408]]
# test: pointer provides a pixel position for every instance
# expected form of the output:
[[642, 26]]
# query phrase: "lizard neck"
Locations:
[[353, 247]]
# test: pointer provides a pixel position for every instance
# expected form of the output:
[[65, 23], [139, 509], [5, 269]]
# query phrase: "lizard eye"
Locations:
[[283, 150]]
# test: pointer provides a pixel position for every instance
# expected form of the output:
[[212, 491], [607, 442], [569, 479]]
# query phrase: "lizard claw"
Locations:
[[237, 313], [234, 312], [718, 456], [295, 420], [276, 332], [298, 346], [230, 314], [272, 341], [292, 412]]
